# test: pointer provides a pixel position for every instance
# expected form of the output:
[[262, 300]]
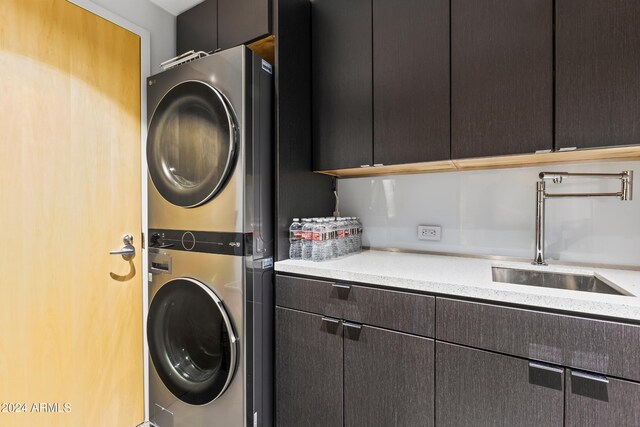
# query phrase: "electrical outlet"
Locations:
[[430, 232]]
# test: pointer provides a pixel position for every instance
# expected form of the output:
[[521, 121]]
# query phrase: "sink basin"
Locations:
[[574, 282]]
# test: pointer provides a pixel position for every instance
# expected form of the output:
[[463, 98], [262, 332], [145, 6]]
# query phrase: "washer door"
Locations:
[[191, 341], [191, 144]]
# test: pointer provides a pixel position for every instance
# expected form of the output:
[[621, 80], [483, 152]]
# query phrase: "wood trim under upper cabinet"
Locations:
[[515, 161]]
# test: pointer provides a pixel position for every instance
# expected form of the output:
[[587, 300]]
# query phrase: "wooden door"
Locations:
[[388, 378], [501, 77], [308, 370], [341, 84], [71, 315], [478, 388]]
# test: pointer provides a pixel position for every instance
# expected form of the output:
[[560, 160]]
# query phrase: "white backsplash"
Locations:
[[492, 212]]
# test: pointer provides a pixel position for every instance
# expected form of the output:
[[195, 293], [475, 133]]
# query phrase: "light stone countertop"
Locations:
[[472, 278]]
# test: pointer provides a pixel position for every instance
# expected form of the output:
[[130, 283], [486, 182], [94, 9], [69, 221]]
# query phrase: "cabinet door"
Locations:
[[478, 388], [308, 370], [341, 83], [196, 28], [501, 77], [242, 21], [410, 81], [597, 78], [595, 400], [388, 378]]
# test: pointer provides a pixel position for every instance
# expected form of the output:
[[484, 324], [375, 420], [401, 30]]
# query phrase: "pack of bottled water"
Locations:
[[322, 239]]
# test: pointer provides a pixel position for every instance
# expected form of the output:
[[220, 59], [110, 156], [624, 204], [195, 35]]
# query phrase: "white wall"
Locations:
[[160, 24], [492, 213]]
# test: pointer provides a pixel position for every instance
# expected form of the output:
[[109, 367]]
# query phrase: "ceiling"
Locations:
[[176, 7]]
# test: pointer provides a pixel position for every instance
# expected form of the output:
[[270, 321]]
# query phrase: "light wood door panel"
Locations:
[[70, 320]]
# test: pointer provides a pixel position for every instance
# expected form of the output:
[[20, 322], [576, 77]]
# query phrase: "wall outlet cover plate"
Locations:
[[430, 232]]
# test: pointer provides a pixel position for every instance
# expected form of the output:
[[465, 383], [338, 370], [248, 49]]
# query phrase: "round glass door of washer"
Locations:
[[191, 144], [191, 341]]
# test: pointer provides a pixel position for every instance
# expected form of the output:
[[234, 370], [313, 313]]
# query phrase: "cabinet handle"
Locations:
[[589, 376], [355, 326], [331, 321], [352, 331], [545, 367], [342, 290], [365, 166]]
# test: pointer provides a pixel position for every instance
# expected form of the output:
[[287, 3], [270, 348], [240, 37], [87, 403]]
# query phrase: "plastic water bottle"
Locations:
[[319, 251], [307, 239], [340, 237], [295, 239], [359, 230], [332, 240], [348, 235]]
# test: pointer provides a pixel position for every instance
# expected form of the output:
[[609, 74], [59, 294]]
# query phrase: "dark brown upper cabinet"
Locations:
[[597, 73], [410, 81], [501, 77], [196, 28], [242, 21], [380, 82], [341, 75], [221, 24]]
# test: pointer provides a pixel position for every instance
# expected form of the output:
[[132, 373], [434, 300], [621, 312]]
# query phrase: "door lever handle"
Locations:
[[127, 251]]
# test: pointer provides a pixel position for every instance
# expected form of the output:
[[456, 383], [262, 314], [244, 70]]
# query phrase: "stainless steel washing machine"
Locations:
[[210, 320]]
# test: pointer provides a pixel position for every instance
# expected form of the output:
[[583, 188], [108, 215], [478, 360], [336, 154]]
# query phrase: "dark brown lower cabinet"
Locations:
[[308, 370], [595, 400], [388, 378], [479, 388]]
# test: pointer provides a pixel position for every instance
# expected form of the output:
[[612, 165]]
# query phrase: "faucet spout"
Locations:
[[540, 203], [625, 194]]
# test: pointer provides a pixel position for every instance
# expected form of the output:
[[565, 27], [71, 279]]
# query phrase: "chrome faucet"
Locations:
[[625, 193]]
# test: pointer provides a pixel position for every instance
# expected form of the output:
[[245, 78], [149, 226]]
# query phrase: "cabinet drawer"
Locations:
[[589, 344], [314, 296], [400, 311]]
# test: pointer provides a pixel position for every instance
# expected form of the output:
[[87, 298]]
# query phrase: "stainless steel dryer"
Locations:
[[205, 116], [210, 321]]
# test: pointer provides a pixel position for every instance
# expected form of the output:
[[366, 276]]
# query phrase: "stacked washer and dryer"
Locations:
[[210, 319]]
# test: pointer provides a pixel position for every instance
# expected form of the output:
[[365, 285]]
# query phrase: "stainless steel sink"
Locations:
[[574, 282]]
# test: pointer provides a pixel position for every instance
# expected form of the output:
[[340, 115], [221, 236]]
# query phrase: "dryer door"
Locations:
[[191, 341], [191, 144]]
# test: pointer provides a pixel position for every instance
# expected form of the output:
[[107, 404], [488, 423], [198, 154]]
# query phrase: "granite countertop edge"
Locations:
[[456, 276]]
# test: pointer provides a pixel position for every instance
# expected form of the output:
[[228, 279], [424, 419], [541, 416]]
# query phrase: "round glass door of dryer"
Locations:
[[191, 144], [191, 341]]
